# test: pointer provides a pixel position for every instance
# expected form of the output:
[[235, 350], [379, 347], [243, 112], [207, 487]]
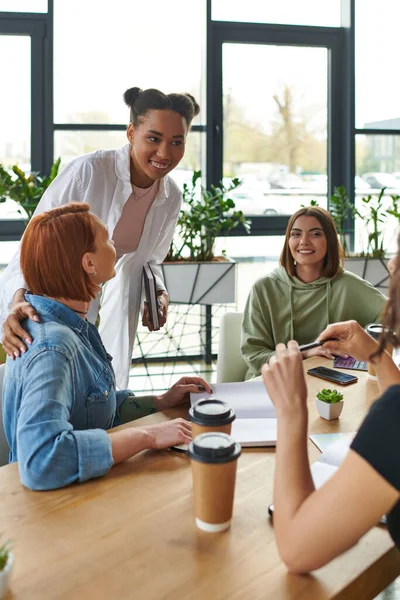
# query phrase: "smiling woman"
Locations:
[[306, 293], [131, 191]]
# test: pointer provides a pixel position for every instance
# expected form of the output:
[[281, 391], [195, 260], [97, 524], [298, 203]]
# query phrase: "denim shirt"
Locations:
[[58, 400]]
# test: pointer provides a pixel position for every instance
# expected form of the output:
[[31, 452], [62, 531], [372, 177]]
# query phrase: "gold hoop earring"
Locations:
[[93, 274]]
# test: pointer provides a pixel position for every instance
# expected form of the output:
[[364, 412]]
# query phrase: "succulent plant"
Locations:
[[329, 396]]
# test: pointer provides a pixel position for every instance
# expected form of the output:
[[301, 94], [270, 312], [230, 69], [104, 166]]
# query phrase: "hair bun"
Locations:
[[131, 95], [196, 107]]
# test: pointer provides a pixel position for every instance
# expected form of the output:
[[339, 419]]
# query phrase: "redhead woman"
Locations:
[[314, 526], [59, 397], [130, 190], [309, 290]]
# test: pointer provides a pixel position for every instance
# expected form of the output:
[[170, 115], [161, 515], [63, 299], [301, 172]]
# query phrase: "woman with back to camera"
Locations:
[[313, 527], [305, 293], [59, 397], [131, 191]]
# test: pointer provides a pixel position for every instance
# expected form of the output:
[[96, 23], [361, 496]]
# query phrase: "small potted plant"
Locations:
[[329, 404], [6, 565]]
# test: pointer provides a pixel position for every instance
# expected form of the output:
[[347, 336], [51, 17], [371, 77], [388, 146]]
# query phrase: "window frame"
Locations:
[[339, 42], [341, 94]]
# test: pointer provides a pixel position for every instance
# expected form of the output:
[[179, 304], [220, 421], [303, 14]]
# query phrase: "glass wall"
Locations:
[[133, 47], [15, 107], [377, 109], [377, 81], [32, 6], [275, 126], [288, 12]]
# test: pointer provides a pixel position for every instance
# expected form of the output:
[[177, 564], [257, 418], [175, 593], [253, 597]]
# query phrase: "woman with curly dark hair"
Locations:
[[131, 191]]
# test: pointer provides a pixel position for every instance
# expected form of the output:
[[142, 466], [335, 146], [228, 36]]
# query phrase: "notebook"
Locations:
[[255, 424], [150, 292], [335, 447]]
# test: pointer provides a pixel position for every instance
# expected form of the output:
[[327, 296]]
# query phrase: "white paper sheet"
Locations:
[[248, 399]]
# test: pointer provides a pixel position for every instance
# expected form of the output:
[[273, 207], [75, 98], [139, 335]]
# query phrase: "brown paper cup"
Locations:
[[213, 490], [214, 478], [211, 415], [198, 429]]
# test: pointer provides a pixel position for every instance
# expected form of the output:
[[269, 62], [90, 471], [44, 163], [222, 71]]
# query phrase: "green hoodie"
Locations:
[[282, 308]]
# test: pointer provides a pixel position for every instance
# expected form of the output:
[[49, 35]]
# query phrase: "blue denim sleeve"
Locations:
[[51, 454]]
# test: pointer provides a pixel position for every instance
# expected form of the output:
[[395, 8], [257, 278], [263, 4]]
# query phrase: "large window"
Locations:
[[113, 50], [15, 116], [290, 12], [377, 81], [377, 114], [31, 6], [275, 126]]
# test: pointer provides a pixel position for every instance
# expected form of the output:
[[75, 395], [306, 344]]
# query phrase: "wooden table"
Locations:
[[131, 534]]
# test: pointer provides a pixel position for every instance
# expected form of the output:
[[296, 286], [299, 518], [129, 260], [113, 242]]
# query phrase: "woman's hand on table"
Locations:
[[349, 337], [171, 433], [180, 391], [284, 380], [15, 335]]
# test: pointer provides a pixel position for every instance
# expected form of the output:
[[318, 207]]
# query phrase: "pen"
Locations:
[[315, 344]]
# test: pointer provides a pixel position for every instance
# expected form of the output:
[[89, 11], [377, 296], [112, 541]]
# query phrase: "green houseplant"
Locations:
[[376, 216], [341, 209], [26, 190], [329, 404], [205, 215], [371, 264], [192, 272], [6, 564]]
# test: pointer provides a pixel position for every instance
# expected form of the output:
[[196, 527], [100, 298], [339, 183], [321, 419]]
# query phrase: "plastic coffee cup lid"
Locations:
[[211, 412], [375, 330], [214, 448]]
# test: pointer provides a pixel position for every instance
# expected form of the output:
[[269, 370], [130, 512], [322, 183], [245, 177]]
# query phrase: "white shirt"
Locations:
[[102, 179]]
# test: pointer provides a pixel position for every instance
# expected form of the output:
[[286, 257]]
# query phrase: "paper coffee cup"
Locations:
[[213, 458], [211, 415], [375, 330]]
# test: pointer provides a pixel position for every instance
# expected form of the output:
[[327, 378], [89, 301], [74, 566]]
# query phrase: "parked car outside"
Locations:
[[382, 180], [286, 181], [251, 201]]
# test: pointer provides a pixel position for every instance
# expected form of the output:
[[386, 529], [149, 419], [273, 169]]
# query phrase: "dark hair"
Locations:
[[334, 254], [141, 101], [69, 231], [391, 317]]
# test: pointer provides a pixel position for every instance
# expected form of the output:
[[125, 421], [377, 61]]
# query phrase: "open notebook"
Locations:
[[335, 447], [255, 423]]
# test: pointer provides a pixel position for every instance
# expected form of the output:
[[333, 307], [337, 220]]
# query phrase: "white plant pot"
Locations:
[[5, 575], [329, 411], [373, 270], [200, 282]]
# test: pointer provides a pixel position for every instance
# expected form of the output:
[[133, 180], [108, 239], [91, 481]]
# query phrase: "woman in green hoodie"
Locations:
[[307, 292]]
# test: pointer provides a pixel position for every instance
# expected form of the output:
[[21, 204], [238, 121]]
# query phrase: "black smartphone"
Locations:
[[332, 375]]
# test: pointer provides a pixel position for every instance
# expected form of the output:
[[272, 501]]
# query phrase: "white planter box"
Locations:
[[329, 411], [5, 576], [373, 270], [200, 283]]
